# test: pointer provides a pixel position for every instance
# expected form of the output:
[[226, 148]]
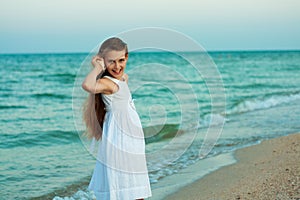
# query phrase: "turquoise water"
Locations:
[[41, 151]]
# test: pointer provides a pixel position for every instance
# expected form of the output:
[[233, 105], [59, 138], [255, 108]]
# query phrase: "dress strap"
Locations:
[[116, 81]]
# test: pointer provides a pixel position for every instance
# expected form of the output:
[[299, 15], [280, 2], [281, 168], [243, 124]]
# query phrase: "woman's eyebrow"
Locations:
[[122, 57]]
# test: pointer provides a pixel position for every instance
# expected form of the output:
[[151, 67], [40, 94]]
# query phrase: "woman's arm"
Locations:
[[91, 85]]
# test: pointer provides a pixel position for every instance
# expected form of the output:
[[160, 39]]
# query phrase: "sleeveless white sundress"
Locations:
[[121, 171]]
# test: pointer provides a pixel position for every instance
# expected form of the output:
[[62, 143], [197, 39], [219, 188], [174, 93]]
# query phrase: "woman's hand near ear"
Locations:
[[98, 61], [90, 83]]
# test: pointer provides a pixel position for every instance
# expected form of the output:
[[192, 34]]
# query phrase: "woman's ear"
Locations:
[[126, 55]]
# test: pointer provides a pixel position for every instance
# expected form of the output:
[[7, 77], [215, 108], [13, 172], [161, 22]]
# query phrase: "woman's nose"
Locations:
[[117, 65]]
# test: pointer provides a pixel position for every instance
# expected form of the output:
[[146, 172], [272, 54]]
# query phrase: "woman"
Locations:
[[110, 116]]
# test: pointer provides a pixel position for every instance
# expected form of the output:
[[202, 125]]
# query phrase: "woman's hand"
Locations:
[[97, 61]]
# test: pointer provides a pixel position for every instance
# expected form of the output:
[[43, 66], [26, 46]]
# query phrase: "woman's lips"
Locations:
[[117, 72]]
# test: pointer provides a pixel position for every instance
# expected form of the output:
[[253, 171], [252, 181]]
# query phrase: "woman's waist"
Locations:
[[119, 106], [123, 108]]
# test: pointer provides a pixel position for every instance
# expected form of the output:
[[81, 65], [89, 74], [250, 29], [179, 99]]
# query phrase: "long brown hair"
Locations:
[[94, 107]]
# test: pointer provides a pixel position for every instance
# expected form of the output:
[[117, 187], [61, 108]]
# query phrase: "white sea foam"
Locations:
[[262, 103], [79, 195], [212, 120]]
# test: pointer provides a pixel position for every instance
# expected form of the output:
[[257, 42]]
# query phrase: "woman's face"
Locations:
[[115, 62]]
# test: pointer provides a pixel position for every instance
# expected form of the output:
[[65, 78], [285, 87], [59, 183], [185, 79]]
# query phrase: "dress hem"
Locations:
[[131, 193]]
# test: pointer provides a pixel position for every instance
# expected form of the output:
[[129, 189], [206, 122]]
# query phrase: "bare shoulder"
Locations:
[[126, 77], [109, 87]]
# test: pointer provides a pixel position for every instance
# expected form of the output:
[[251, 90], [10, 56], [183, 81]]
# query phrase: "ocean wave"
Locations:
[[12, 107], [256, 85], [264, 102], [46, 138], [161, 132], [54, 137], [79, 195], [234, 143], [51, 95], [212, 120], [60, 77]]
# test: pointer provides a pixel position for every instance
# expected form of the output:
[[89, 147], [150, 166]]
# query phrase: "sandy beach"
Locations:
[[269, 170]]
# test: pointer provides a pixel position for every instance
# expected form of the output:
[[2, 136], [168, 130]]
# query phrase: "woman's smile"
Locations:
[[117, 72]]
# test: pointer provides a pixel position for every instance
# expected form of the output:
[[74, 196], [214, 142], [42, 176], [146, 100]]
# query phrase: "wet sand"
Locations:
[[270, 170]]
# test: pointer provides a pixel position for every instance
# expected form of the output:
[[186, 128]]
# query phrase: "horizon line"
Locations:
[[185, 51]]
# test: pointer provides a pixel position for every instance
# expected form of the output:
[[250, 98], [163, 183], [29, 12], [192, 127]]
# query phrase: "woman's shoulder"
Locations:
[[111, 85], [114, 80], [126, 77]]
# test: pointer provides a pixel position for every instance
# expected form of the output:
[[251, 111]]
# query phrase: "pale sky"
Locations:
[[79, 25]]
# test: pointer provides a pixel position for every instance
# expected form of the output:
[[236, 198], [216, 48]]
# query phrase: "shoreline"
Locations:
[[268, 170], [226, 176]]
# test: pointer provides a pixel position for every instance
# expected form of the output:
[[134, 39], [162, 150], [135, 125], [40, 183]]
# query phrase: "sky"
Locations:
[[46, 26]]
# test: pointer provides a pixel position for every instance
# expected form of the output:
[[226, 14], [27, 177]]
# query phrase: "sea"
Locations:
[[188, 119]]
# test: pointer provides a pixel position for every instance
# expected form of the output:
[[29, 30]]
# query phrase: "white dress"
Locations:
[[121, 171]]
